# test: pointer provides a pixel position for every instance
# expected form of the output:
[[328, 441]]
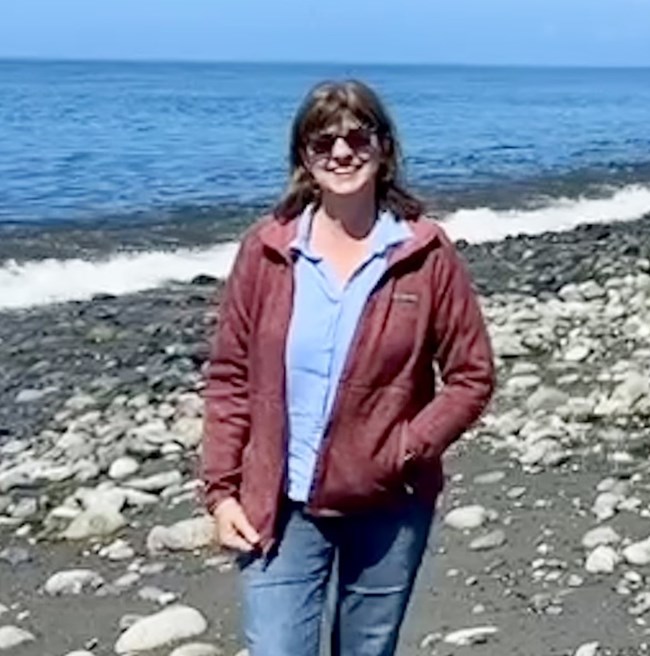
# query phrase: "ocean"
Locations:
[[116, 177]]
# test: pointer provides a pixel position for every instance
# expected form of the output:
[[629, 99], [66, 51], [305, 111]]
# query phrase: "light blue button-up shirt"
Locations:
[[325, 316]]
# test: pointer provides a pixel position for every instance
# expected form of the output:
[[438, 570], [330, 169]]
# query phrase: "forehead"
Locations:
[[332, 121], [343, 124]]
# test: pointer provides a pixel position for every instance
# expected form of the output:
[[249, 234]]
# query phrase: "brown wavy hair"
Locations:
[[324, 106]]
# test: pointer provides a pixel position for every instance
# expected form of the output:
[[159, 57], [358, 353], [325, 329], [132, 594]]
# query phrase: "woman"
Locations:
[[324, 430]]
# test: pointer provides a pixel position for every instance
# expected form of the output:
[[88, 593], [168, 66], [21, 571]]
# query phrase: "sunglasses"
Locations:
[[357, 139]]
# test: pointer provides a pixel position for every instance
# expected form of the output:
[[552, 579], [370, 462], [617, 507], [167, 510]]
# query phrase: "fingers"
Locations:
[[234, 531], [234, 541], [244, 528]]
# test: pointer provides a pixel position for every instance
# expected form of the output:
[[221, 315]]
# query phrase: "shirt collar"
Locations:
[[388, 231]]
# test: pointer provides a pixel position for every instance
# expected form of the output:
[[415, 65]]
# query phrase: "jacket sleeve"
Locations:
[[464, 355], [226, 394]]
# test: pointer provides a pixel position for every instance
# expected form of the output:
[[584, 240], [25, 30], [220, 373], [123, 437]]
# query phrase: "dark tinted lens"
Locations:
[[321, 144], [358, 139]]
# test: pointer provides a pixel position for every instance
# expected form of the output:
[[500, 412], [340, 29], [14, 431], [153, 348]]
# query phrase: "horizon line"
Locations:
[[284, 62]]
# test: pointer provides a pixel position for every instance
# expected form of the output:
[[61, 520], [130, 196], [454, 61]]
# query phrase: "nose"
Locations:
[[341, 150]]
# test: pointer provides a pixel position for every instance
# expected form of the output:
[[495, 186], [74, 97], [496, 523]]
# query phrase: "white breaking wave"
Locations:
[[484, 224], [47, 281]]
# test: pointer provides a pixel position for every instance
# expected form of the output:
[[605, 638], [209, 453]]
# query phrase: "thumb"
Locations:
[[243, 526]]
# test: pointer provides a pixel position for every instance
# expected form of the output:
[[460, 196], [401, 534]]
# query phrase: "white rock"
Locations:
[[3, 609], [189, 404], [641, 604], [638, 553], [167, 626], [466, 517], [508, 345], [13, 636], [94, 523], [489, 478], [602, 560], [80, 402], [606, 504], [80, 652], [545, 451], [600, 535], [138, 498], [123, 468], [546, 398], [158, 596], [188, 534], [587, 649], [29, 395], [196, 649], [188, 431], [472, 636], [491, 540], [127, 580], [117, 550], [73, 581], [577, 353], [157, 482], [154, 432], [103, 497]]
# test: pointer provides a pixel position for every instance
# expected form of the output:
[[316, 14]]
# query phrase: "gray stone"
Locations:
[[188, 431], [167, 626], [489, 478], [73, 582], [197, 649], [638, 553], [123, 468], [24, 508], [470, 636], [600, 535], [15, 556], [158, 596], [94, 523], [30, 395], [587, 649], [466, 517], [157, 482], [13, 636], [188, 534], [488, 541], [546, 399], [602, 560], [117, 550]]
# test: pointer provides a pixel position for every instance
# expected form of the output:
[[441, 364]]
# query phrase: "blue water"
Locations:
[[85, 142]]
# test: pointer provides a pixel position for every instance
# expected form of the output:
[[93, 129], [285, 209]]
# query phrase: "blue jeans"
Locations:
[[372, 561]]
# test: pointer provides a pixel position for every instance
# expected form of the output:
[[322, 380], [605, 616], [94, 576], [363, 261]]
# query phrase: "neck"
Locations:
[[354, 215]]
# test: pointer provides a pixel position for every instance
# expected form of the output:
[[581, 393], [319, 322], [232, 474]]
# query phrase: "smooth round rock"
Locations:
[[170, 625], [466, 517], [13, 636]]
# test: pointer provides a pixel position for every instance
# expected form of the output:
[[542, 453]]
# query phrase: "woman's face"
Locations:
[[343, 158]]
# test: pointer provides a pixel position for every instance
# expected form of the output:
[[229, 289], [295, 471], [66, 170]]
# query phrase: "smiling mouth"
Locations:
[[345, 170]]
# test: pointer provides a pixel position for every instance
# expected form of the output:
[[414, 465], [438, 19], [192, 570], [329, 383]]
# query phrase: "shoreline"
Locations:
[[562, 450]]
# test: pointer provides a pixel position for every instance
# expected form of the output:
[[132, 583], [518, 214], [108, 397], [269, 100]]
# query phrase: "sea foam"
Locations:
[[46, 281]]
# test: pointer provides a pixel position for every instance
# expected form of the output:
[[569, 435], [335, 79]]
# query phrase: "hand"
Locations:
[[234, 531]]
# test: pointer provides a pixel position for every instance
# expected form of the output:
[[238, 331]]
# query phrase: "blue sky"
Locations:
[[546, 32]]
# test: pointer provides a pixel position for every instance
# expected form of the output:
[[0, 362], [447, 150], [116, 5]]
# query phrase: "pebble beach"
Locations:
[[541, 543]]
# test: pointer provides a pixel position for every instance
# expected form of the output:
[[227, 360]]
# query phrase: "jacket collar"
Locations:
[[279, 236]]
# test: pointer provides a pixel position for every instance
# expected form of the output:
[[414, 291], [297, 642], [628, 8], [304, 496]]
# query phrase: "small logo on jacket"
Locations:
[[406, 297]]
